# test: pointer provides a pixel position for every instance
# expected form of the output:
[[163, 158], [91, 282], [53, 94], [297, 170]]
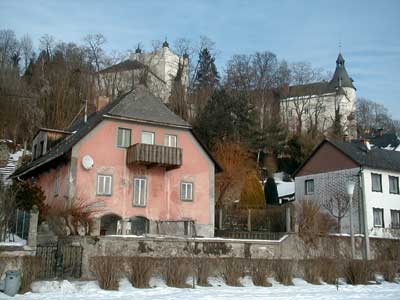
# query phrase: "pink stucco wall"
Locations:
[[47, 181], [163, 201]]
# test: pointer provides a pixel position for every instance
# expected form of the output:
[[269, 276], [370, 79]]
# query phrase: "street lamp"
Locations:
[[350, 191]]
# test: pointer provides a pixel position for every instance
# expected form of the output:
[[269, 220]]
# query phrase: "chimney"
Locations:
[[366, 143], [101, 102]]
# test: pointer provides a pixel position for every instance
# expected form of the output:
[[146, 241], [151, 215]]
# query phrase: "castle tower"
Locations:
[[345, 96]]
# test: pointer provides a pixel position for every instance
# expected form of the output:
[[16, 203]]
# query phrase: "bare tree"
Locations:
[[8, 47], [26, 46], [337, 206]]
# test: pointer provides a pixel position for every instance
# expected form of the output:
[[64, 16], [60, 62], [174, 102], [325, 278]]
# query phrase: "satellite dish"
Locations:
[[87, 162]]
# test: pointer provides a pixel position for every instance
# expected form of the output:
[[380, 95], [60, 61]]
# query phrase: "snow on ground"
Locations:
[[13, 240], [89, 290]]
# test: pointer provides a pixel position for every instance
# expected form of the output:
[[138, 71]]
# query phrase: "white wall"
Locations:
[[383, 200], [347, 103]]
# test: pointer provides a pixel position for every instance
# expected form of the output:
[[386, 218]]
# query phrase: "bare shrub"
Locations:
[[140, 270], [260, 270], [231, 270], [176, 271], [283, 270], [107, 270], [388, 269], [312, 271], [31, 266], [388, 250], [71, 217], [313, 223], [329, 269], [358, 272], [203, 266], [2, 266]]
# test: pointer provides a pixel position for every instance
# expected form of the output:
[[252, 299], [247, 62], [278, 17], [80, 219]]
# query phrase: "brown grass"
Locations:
[[313, 223], [358, 272], [260, 270], [107, 270], [312, 271], [203, 266], [31, 266], [329, 269], [283, 270], [388, 269], [140, 270], [176, 271], [231, 271]]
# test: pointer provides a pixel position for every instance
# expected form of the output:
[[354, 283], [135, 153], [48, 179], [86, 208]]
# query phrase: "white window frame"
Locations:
[[168, 138], [185, 195], [152, 137], [372, 182], [101, 188], [123, 131], [396, 180], [141, 201], [382, 221], [307, 191]]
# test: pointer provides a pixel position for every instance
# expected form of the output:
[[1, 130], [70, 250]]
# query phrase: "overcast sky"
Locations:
[[369, 31]]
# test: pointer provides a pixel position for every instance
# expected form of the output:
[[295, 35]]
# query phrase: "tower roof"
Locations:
[[341, 78], [165, 44]]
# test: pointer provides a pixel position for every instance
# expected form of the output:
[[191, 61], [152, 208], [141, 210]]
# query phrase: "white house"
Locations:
[[375, 172]]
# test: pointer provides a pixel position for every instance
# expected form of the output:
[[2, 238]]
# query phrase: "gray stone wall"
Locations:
[[289, 247]]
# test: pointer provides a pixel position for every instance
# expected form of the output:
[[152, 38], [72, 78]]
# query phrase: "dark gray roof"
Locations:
[[125, 65], [375, 158], [340, 80], [129, 65], [138, 105], [389, 141], [340, 77], [142, 105]]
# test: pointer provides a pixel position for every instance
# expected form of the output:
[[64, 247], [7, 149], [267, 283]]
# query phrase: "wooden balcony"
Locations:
[[154, 155]]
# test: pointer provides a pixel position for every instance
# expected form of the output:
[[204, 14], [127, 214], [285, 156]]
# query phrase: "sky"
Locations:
[[368, 30]]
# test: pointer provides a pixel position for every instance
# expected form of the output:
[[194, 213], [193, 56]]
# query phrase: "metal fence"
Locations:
[[252, 235], [15, 226], [60, 260]]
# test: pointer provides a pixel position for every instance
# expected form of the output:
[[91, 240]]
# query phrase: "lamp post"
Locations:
[[350, 190]]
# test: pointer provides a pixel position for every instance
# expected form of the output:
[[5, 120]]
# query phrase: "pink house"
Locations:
[[136, 163]]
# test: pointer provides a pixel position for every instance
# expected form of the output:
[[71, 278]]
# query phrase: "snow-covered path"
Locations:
[[301, 290]]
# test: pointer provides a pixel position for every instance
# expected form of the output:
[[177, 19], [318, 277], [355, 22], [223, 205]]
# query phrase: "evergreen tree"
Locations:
[[207, 75], [226, 118], [271, 192]]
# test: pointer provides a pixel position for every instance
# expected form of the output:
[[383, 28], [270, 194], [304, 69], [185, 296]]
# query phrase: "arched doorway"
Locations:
[[109, 224], [139, 225]]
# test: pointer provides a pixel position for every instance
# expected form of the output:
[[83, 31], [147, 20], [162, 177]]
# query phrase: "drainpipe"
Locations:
[[365, 218]]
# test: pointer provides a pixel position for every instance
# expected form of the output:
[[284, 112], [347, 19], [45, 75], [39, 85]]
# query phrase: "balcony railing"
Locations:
[[154, 155]]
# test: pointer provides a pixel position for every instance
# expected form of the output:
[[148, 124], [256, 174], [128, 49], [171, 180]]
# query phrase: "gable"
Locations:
[[326, 158]]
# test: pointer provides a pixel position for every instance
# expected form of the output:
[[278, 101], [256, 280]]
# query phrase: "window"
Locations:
[[104, 185], [140, 192], [393, 184], [147, 137], [41, 151], [187, 191], [123, 137], [376, 182], [170, 140], [57, 185], [309, 186], [395, 216], [378, 217]]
